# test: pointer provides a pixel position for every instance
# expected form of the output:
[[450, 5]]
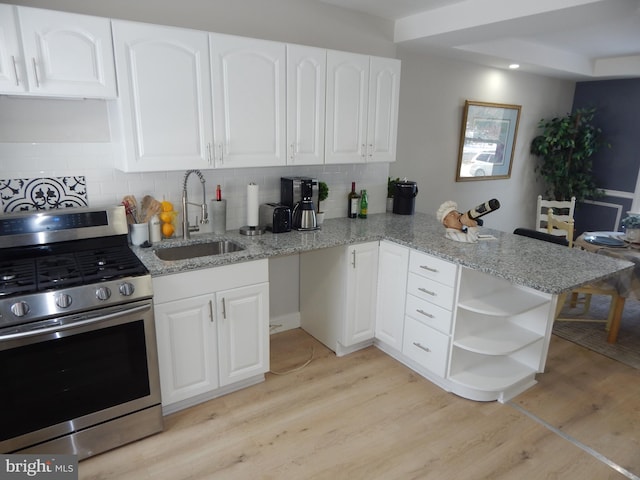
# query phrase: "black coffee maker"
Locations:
[[303, 216], [404, 197]]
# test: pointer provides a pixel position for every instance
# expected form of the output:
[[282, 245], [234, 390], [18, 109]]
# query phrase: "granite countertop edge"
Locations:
[[520, 260]]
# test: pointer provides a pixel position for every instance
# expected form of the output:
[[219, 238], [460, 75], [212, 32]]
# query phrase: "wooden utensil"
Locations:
[[154, 208]]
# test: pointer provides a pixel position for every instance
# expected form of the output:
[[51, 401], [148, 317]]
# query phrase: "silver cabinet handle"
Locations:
[[221, 153], [426, 314], [211, 310], [209, 156], [35, 71], [224, 309], [354, 259], [15, 70], [364, 150], [428, 292], [371, 150], [428, 268], [292, 147], [422, 347]]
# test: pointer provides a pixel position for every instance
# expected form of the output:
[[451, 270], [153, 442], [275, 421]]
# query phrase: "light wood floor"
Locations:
[[366, 416]]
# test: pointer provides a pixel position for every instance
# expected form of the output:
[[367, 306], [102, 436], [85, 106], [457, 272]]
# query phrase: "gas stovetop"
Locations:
[[66, 262]]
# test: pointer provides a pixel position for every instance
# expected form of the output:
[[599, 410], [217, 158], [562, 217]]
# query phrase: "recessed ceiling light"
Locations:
[[513, 66]]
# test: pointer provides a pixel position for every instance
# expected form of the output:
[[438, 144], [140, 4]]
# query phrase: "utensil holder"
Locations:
[[218, 214]]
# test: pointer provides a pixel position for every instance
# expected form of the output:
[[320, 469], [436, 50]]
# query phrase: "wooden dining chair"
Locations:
[[563, 210], [582, 295]]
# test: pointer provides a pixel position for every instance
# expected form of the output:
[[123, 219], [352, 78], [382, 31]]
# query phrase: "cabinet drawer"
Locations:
[[426, 346], [430, 291], [433, 268], [429, 313]]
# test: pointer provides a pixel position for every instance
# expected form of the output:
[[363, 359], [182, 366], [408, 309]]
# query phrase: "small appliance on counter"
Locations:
[[404, 197], [291, 190], [275, 217], [297, 193]]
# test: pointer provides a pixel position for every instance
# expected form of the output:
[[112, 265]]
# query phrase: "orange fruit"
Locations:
[[167, 206], [167, 229], [166, 217]]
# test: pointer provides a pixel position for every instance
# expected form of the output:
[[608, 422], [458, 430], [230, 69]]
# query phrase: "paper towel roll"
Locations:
[[253, 205]]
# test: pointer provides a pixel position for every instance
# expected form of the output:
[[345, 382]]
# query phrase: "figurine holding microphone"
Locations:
[[463, 227]]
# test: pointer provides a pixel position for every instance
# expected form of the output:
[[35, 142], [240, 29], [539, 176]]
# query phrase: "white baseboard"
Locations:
[[284, 322]]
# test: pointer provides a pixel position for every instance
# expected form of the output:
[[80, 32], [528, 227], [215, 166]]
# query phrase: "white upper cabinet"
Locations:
[[49, 53], [306, 80], [362, 108], [165, 97], [384, 98], [248, 81], [347, 98]]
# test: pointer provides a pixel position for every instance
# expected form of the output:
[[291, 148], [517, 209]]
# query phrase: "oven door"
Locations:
[[63, 375]]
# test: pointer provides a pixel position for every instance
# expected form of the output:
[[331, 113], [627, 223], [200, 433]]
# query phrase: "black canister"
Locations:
[[404, 197]]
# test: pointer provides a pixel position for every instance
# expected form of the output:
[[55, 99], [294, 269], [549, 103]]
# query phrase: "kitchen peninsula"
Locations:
[[475, 319]]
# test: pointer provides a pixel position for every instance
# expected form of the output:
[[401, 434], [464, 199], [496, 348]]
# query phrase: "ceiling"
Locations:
[[572, 39]]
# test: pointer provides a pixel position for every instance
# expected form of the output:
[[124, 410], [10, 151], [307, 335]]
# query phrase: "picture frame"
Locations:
[[487, 141]]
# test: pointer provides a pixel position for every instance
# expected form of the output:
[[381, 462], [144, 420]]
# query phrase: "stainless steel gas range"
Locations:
[[78, 358]]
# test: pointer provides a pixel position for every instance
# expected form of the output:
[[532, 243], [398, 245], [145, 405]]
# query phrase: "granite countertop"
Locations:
[[523, 261]]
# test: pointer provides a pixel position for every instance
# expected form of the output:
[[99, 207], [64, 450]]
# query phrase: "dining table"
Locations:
[[614, 244]]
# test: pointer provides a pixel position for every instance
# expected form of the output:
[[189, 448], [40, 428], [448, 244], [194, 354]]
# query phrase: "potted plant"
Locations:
[[323, 193], [566, 146], [631, 224], [391, 188]]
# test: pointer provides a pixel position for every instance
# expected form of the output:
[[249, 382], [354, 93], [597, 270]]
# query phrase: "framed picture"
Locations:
[[487, 141]]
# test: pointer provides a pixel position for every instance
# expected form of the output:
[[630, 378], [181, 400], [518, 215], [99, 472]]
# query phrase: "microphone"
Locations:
[[482, 209]]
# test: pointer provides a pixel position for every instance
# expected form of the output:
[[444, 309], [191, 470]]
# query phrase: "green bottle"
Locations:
[[364, 204]]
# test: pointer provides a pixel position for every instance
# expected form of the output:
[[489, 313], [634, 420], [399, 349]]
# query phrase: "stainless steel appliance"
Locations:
[[275, 217], [303, 216], [77, 339], [291, 190]]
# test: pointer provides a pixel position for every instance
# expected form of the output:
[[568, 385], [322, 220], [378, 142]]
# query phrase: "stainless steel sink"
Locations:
[[198, 250]]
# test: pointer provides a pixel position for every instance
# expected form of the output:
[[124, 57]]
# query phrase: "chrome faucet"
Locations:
[[186, 229]]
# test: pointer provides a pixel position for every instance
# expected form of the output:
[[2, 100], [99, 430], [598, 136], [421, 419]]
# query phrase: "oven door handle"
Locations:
[[61, 327]]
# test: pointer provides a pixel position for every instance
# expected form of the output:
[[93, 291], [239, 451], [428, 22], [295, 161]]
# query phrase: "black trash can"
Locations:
[[404, 197]]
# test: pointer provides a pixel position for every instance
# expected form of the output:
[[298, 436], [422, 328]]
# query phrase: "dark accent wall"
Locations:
[[615, 168]]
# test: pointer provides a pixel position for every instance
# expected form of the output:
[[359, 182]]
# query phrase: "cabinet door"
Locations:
[[346, 111], [362, 276], [248, 78], [393, 261], [187, 348], [243, 325], [384, 98], [165, 97], [67, 54], [306, 79], [12, 77]]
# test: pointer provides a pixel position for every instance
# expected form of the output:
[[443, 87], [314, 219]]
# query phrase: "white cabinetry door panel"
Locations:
[[384, 99], [362, 278], [393, 261], [426, 346], [243, 332], [187, 348], [306, 80], [429, 313], [165, 96], [434, 292], [12, 74], [248, 78], [67, 54], [346, 112]]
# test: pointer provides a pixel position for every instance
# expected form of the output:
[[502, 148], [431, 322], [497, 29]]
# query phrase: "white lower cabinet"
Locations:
[[469, 332], [212, 328], [337, 295], [393, 261]]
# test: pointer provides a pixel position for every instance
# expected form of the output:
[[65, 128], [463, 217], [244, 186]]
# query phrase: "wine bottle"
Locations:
[[364, 204], [354, 201]]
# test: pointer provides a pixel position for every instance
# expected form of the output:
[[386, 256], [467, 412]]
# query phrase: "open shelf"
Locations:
[[501, 340], [506, 302], [493, 374]]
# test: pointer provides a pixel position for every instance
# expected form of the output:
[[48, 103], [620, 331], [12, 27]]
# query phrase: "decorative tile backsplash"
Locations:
[[23, 194]]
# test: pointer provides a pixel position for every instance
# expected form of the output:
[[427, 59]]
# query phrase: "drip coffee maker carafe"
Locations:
[[304, 212]]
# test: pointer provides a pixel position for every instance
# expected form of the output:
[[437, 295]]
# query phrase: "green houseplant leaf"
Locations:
[[566, 146]]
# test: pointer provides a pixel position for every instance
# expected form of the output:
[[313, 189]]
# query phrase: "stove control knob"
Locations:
[[63, 300], [20, 309], [103, 293], [127, 289]]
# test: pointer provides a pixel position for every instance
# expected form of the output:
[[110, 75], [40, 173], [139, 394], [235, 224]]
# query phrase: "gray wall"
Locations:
[[433, 92]]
